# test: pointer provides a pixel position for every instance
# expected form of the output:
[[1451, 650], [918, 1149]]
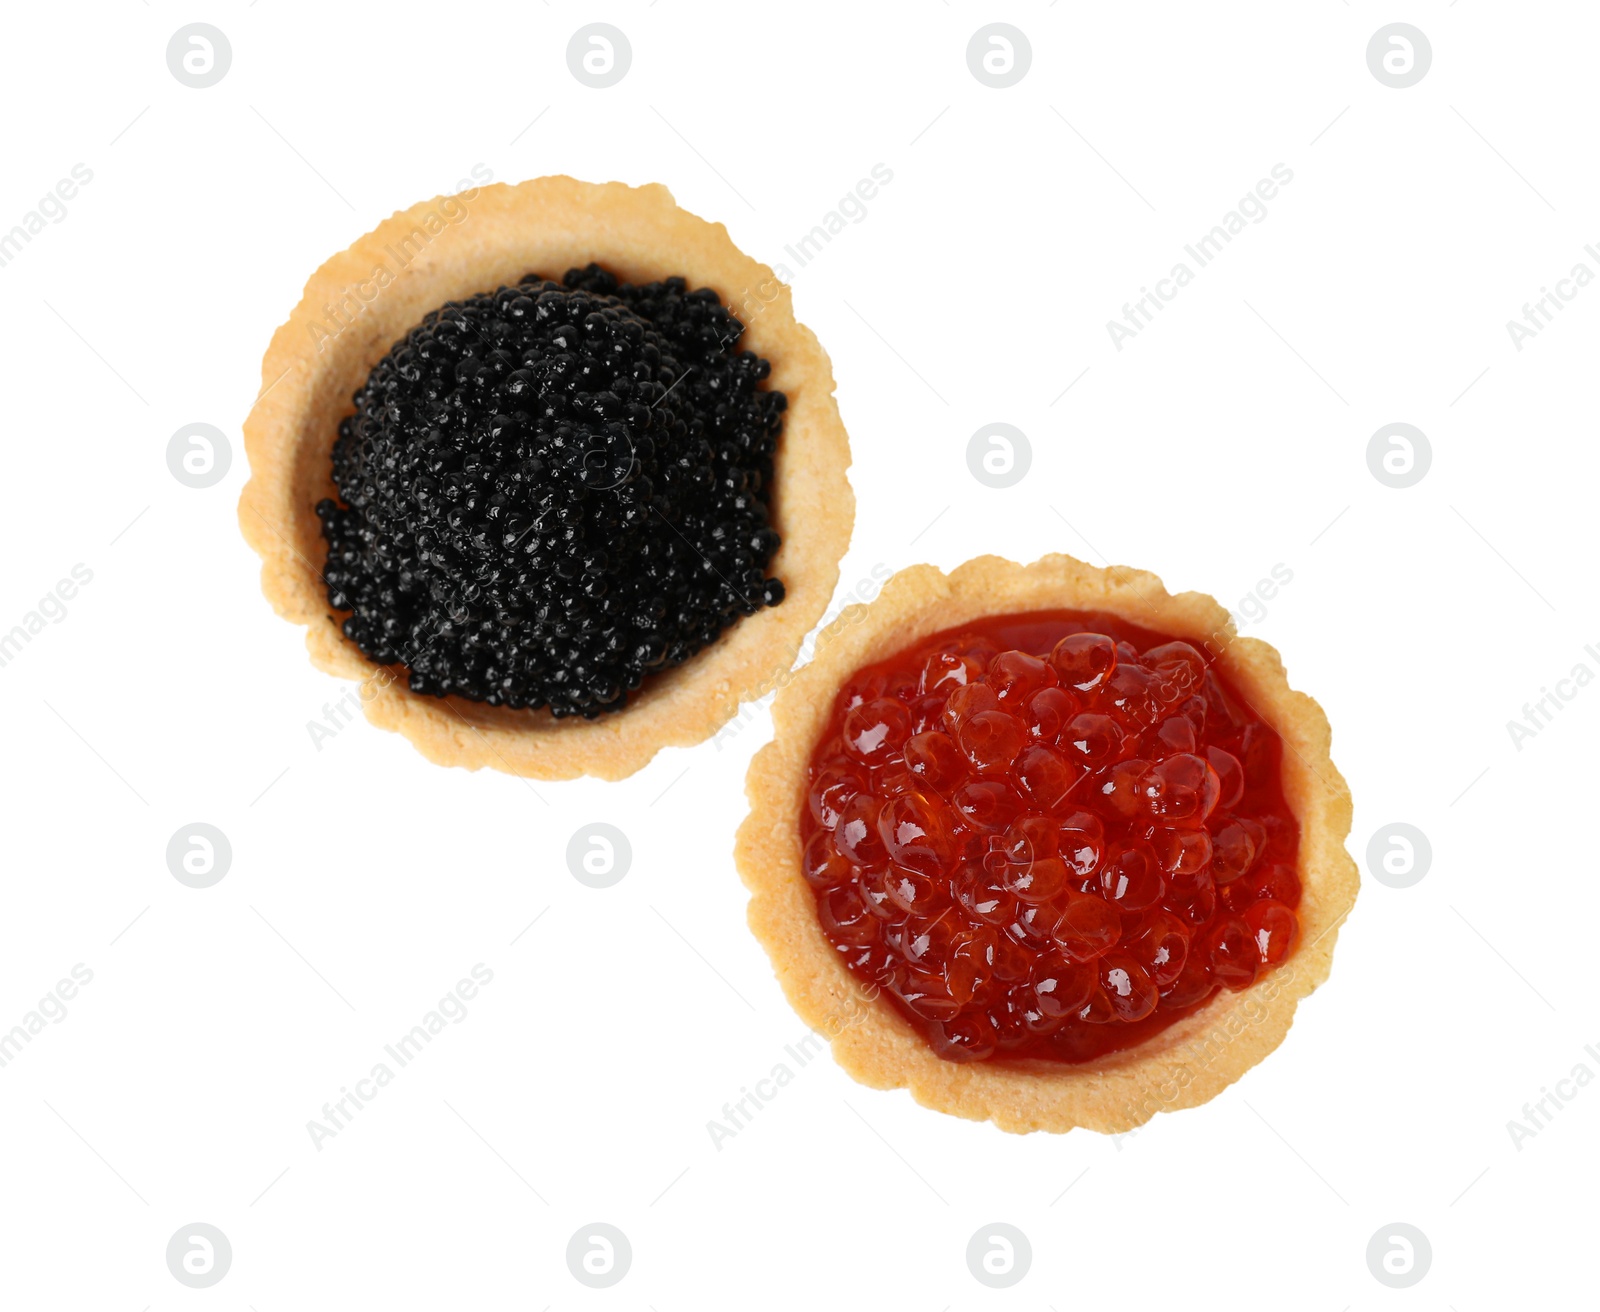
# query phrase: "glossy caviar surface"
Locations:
[[1049, 836], [552, 491]]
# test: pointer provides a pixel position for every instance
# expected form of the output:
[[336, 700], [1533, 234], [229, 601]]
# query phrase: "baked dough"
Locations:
[[364, 299], [1189, 1062]]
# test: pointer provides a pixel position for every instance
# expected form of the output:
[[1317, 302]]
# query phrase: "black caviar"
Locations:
[[552, 491]]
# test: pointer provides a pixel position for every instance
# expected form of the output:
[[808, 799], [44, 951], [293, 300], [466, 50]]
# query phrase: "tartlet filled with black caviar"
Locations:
[[554, 471]]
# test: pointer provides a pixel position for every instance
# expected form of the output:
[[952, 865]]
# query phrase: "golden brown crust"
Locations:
[[1185, 1065], [364, 299]]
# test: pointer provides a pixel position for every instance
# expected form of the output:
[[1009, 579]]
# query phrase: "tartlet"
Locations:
[[366, 299], [1206, 1045]]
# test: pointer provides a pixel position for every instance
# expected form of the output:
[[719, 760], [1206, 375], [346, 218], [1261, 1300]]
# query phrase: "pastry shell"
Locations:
[[364, 299], [1184, 1065]]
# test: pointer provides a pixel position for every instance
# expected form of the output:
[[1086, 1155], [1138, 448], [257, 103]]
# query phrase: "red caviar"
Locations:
[[1049, 836]]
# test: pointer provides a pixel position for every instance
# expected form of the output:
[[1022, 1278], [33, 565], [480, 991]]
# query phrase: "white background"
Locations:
[[1227, 438]]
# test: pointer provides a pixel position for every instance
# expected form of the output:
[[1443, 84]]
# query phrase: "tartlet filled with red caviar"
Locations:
[[552, 468], [1047, 845]]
